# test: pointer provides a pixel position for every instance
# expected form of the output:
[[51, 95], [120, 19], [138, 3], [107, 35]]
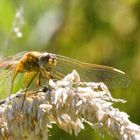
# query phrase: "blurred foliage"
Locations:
[[102, 32]]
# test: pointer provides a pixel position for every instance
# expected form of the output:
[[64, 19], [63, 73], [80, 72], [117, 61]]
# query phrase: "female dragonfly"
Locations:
[[43, 65]]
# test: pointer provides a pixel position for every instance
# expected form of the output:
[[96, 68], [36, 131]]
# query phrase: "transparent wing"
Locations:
[[16, 57], [6, 80], [6, 83], [8, 62], [92, 73]]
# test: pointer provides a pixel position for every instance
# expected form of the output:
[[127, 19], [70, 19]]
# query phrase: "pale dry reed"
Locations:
[[68, 103]]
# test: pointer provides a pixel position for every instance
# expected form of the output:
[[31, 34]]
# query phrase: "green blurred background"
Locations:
[[103, 32]]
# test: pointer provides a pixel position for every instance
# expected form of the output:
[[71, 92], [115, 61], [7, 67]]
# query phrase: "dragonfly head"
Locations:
[[47, 61]]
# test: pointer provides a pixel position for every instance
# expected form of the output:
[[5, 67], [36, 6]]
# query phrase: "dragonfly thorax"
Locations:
[[29, 62]]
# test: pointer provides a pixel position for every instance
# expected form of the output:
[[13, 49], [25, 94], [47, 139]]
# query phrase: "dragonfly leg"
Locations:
[[39, 79], [25, 91]]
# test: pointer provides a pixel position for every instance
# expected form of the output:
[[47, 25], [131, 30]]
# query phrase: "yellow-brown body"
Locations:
[[28, 63]]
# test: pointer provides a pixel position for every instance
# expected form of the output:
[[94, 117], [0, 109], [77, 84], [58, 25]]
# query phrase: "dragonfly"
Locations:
[[38, 66]]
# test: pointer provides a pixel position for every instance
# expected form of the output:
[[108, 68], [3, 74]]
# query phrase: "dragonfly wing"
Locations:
[[57, 75], [9, 61], [6, 79], [16, 57], [93, 73]]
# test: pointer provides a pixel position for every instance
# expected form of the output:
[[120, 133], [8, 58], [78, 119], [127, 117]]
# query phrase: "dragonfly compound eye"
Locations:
[[52, 61]]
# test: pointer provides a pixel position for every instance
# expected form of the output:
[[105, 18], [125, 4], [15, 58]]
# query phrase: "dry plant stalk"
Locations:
[[67, 103]]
